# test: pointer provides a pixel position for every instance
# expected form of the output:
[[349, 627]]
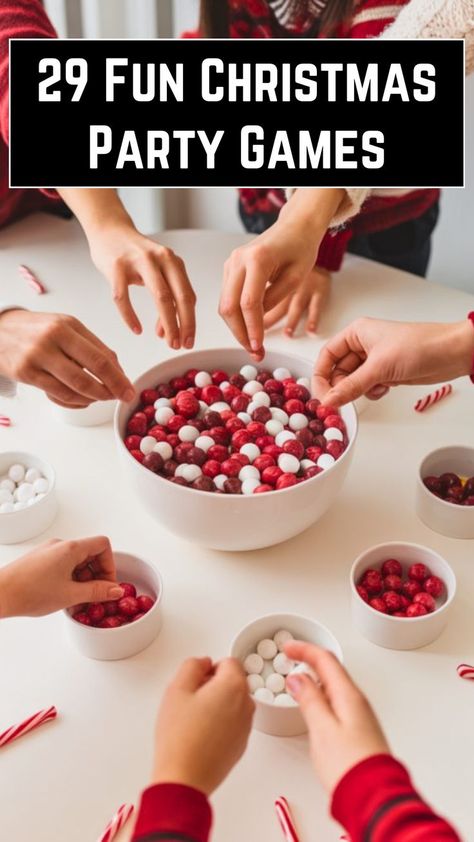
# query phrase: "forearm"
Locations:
[[313, 208], [7, 598], [95, 208]]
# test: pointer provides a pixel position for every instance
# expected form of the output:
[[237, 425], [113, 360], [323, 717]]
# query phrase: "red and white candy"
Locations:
[[27, 725], [118, 820], [32, 280], [387, 591], [286, 820]]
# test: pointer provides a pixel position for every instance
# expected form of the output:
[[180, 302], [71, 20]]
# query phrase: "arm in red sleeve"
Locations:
[[173, 813], [375, 801]]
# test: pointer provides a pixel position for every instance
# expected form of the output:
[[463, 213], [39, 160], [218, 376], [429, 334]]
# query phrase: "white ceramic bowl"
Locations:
[[27, 523], [271, 719], [400, 632], [447, 518], [229, 521], [97, 413], [124, 641]]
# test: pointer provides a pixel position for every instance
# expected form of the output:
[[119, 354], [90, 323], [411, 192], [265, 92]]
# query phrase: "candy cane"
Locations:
[[27, 725], [5, 421], [434, 397], [116, 823], [32, 280], [286, 819], [465, 671]]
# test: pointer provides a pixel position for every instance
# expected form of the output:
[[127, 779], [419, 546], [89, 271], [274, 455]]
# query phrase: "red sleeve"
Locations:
[[18, 19], [173, 812], [375, 801], [333, 248]]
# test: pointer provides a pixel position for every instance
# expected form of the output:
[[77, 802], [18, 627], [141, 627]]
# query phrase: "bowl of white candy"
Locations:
[[259, 646], [28, 502]]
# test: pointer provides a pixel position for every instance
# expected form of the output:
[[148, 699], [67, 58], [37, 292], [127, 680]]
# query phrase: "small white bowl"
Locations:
[[269, 718], [97, 413], [447, 518], [232, 521], [31, 521], [124, 641], [401, 632]]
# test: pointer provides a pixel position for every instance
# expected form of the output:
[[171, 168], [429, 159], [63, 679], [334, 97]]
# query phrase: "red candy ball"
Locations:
[[110, 623], [211, 468], [149, 396], [128, 589], [378, 603], [426, 600], [83, 618], [416, 610], [285, 481], [434, 586], [96, 612], [411, 588], [362, 592], [128, 606], [137, 424], [419, 572], [217, 453], [392, 601], [271, 475], [392, 582], [261, 489], [372, 581], [391, 567]]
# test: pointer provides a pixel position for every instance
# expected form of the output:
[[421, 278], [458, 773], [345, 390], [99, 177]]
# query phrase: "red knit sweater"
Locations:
[[375, 802]]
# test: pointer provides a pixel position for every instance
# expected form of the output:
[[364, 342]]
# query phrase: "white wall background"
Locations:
[[452, 260]]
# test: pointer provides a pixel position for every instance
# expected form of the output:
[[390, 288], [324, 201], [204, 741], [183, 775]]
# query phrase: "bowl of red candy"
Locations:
[[230, 455], [119, 628], [401, 595], [445, 491]]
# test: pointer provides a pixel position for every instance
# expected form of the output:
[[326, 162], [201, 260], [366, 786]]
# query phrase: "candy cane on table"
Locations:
[[116, 823], [5, 421], [27, 725], [434, 397], [286, 819], [32, 280], [465, 671]]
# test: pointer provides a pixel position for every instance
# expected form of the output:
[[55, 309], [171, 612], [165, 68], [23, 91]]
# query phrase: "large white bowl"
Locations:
[[271, 719], [124, 641], [401, 632], [230, 521], [441, 516], [30, 522]]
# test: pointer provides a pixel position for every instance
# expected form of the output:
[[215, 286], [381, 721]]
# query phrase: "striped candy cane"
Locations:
[[32, 280], [5, 421], [116, 823], [27, 725], [465, 671], [434, 397], [286, 819]]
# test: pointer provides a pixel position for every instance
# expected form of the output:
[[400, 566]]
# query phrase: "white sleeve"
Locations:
[[7, 386]]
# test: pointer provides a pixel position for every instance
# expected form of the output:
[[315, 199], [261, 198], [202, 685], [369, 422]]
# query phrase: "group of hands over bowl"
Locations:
[[272, 278]]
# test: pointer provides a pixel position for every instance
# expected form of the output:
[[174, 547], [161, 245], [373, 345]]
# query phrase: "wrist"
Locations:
[[171, 774], [314, 208], [462, 344]]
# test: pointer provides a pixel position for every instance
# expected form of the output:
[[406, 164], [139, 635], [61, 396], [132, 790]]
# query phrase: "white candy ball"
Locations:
[[282, 664], [261, 399], [203, 407], [267, 649], [219, 481], [179, 470], [263, 694], [224, 385], [252, 387], [25, 492], [17, 473], [162, 402], [282, 637], [267, 670], [307, 463], [288, 463], [284, 700], [249, 372], [254, 682], [147, 444], [204, 442], [32, 501], [298, 421], [32, 475], [325, 460], [251, 407], [188, 433], [203, 378], [249, 472], [20, 505], [163, 415], [275, 683], [219, 406], [6, 508], [285, 435], [253, 664], [245, 417], [281, 374], [273, 427], [191, 472], [6, 496], [279, 415], [304, 669], [164, 449], [251, 450], [249, 486], [333, 434], [304, 381], [7, 484], [41, 485]]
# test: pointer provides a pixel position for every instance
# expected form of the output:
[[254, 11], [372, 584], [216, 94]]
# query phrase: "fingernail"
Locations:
[[115, 592], [312, 328], [379, 390], [189, 342], [289, 331], [254, 345], [128, 395], [136, 329], [175, 344], [293, 684]]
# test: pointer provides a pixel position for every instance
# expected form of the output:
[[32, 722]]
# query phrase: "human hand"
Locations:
[[59, 355], [128, 258], [203, 724], [311, 296], [370, 355], [45, 579], [343, 729]]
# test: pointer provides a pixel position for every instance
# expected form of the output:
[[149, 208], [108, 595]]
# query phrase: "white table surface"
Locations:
[[66, 780]]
